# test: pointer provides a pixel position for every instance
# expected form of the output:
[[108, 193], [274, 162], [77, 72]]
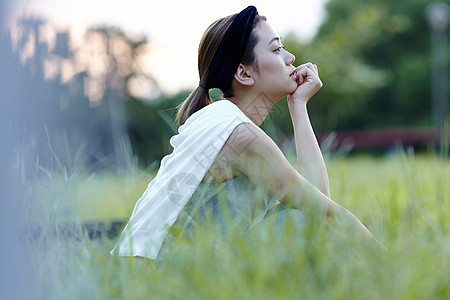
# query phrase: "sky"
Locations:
[[174, 28]]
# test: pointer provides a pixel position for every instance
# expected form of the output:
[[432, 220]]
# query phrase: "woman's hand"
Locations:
[[308, 83]]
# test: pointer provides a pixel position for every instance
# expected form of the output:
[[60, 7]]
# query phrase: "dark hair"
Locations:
[[209, 44]]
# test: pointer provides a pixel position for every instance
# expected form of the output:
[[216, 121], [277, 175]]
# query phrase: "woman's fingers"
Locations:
[[307, 74], [309, 65], [308, 82]]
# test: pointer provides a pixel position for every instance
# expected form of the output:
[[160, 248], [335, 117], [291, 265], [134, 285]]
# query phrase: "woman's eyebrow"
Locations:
[[274, 39]]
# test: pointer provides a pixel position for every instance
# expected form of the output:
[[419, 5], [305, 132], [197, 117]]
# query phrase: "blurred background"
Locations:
[[94, 79]]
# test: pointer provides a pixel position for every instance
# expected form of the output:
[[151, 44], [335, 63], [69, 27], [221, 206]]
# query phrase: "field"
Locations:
[[403, 199]]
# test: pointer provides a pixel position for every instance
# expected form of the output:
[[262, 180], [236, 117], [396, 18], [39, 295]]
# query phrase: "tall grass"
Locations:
[[403, 199]]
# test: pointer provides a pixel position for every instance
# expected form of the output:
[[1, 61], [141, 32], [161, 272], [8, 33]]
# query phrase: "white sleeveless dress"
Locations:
[[178, 194]]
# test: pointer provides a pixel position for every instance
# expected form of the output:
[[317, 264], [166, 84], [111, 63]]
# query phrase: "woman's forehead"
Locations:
[[266, 33]]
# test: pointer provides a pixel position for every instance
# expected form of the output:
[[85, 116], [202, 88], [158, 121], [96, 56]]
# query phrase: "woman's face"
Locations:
[[274, 64]]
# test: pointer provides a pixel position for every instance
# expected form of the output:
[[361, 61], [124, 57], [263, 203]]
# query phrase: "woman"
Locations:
[[220, 145]]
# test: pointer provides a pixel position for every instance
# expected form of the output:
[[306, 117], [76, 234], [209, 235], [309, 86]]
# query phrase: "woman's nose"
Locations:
[[290, 58]]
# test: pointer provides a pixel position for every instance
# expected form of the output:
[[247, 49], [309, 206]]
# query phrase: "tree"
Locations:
[[71, 97], [374, 60]]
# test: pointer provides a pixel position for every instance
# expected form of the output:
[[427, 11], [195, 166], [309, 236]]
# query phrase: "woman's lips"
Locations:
[[293, 74]]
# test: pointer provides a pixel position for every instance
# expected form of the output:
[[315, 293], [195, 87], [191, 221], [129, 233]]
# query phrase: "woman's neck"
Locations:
[[255, 107]]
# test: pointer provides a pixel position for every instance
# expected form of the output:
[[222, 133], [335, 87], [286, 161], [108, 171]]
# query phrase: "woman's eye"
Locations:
[[279, 48]]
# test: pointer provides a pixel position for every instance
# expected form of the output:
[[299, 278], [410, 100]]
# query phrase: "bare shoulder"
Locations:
[[249, 150], [258, 156], [226, 164], [244, 138], [249, 140]]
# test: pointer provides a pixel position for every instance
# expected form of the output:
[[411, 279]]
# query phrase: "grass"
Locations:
[[403, 199]]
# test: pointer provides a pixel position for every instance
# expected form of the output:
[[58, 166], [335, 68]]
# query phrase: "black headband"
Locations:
[[231, 49]]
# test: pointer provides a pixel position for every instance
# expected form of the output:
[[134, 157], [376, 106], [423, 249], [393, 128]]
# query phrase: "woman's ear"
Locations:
[[243, 75]]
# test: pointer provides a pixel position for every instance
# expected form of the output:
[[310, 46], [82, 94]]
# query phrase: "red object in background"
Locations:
[[386, 137]]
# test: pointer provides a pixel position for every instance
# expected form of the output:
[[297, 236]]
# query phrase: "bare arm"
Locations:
[[310, 161], [264, 163]]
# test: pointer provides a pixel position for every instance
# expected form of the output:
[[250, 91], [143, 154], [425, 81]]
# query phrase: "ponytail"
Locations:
[[198, 99]]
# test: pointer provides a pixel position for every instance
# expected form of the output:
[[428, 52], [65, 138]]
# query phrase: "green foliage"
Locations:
[[151, 124], [374, 60], [402, 200]]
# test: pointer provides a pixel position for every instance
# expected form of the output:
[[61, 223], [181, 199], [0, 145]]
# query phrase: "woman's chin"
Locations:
[[293, 89]]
